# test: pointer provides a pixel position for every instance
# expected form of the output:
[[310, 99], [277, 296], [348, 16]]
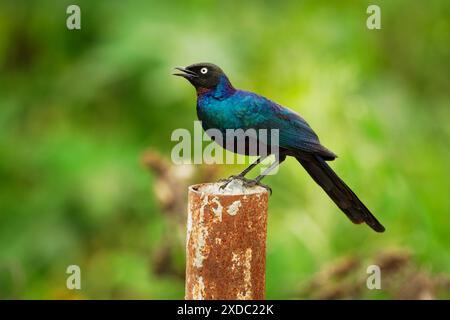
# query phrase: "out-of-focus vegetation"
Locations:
[[79, 109]]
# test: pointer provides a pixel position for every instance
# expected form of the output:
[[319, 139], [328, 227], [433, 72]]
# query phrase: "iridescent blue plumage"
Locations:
[[221, 106], [224, 107]]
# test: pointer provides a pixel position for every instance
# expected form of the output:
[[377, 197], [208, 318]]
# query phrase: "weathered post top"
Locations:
[[226, 242]]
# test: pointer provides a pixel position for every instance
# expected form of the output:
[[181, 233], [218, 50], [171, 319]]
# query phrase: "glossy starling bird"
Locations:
[[221, 106]]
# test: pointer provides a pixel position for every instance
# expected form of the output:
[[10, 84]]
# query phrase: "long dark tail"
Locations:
[[339, 192]]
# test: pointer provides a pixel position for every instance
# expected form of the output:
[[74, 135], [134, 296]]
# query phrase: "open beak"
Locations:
[[185, 73]]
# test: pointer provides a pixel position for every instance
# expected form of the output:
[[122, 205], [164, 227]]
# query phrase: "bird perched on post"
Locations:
[[221, 106]]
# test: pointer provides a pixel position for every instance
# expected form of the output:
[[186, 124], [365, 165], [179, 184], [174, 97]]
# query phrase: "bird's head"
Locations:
[[204, 76]]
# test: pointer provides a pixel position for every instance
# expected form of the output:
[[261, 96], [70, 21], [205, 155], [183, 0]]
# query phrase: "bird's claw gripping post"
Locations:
[[231, 178], [252, 183], [245, 182]]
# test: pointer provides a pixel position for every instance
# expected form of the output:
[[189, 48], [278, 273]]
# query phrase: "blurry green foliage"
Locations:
[[78, 108]]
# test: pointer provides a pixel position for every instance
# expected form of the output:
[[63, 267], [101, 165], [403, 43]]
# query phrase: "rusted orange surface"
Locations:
[[226, 245]]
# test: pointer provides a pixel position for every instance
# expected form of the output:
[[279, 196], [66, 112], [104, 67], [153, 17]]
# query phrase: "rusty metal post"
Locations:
[[226, 243]]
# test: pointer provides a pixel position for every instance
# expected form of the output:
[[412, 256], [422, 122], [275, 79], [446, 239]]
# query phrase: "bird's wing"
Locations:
[[294, 132]]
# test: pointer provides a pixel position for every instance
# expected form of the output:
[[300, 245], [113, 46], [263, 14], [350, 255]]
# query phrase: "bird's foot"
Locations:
[[231, 178], [252, 183]]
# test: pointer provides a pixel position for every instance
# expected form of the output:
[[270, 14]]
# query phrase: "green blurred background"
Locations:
[[86, 118]]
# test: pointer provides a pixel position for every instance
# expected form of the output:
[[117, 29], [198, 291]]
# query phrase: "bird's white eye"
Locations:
[[204, 70]]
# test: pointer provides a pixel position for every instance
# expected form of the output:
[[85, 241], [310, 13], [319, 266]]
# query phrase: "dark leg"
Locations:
[[241, 175], [258, 179], [276, 163], [250, 167]]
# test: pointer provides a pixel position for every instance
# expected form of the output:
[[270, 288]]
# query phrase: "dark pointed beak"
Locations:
[[185, 73]]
